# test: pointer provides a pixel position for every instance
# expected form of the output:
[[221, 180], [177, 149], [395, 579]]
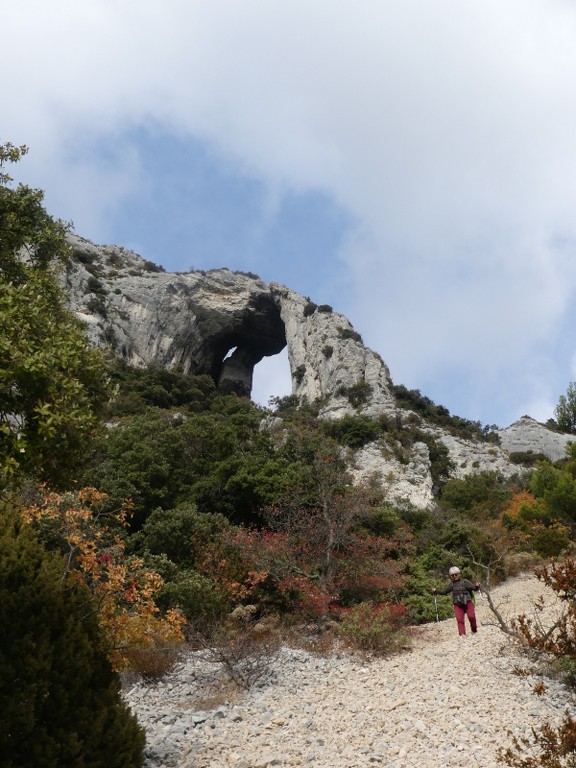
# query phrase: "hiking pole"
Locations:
[[436, 606]]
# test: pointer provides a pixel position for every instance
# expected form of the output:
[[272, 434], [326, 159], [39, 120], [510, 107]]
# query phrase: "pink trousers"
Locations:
[[460, 612]]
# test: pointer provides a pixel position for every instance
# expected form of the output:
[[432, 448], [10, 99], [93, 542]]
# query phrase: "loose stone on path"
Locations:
[[449, 702]]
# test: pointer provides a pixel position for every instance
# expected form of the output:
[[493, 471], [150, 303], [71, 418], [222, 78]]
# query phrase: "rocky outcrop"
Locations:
[[529, 436], [222, 323]]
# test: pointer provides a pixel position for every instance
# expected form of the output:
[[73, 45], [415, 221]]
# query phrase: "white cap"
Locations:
[[453, 570]]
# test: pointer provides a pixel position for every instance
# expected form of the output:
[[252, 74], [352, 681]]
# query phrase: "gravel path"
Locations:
[[448, 702]]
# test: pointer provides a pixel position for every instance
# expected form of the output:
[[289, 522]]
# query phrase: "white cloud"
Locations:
[[446, 129]]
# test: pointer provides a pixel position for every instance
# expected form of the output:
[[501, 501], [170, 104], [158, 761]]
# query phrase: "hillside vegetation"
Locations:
[[160, 508]]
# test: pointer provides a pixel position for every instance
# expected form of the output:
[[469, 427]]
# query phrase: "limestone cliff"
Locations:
[[223, 323], [529, 436]]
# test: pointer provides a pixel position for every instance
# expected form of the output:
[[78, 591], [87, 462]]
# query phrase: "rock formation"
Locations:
[[223, 323], [529, 436]]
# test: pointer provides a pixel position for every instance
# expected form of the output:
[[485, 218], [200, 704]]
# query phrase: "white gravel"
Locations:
[[448, 702]]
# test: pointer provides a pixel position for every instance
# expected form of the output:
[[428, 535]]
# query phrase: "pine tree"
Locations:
[[60, 702]]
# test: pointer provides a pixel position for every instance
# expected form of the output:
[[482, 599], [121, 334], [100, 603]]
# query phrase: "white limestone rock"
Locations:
[[222, 323], [527, 434]]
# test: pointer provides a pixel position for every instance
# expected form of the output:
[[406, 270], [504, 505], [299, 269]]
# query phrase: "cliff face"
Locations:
[[223, 323]]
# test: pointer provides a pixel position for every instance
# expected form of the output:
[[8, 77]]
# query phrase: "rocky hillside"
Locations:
[[340, 711], [223, 323]]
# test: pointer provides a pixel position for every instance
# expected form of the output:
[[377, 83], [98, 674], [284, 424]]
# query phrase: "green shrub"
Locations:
[[59, 698], [413, 400], [425, 573], [149, 266], [479, 495], [357, 394], [526, 458], [310, 308], [383, 521], [197, 596], [349, 333], [353, 431], [97, 306], [299, 373], [285, 405], [93, 285]]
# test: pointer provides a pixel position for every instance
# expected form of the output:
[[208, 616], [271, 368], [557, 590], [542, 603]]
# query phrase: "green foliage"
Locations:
[[479, 495], [60, 699], [138, 388], [284, 405], [183, 534], [423, 574], [381, 521], [565, 411], [555, 487], [349, 333], [179, 544], [52, 383], [219, 458], [357, 394], [353, 431], [526, 458], [197, 595], [25, 226], [413, 400], [299, 374], [310, 308]]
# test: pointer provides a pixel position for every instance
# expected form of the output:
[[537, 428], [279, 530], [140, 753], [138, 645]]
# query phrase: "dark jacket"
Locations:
[[462, 591]]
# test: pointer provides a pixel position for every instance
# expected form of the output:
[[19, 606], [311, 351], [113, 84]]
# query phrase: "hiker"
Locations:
[[462, 597]]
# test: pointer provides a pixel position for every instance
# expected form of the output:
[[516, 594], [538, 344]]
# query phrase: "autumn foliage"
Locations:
[[557, 637], [123, 590]]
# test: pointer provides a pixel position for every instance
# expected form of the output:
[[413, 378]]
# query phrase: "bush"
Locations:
[[357, 394], [527, 458], [93, 285], [244, 646], [59, 698], [353, 431], [310, 308], [413, 400], [299, 373], [153, 662], [349, 333], [548, 748], [376, 628], [197, 596]]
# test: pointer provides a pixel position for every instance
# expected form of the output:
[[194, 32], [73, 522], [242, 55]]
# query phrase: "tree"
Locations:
[[317, 549], [59, 697], [565, 411], [52, 383], [122, 590]]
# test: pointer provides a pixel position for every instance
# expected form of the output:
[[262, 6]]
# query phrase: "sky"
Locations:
[[412, 163]]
